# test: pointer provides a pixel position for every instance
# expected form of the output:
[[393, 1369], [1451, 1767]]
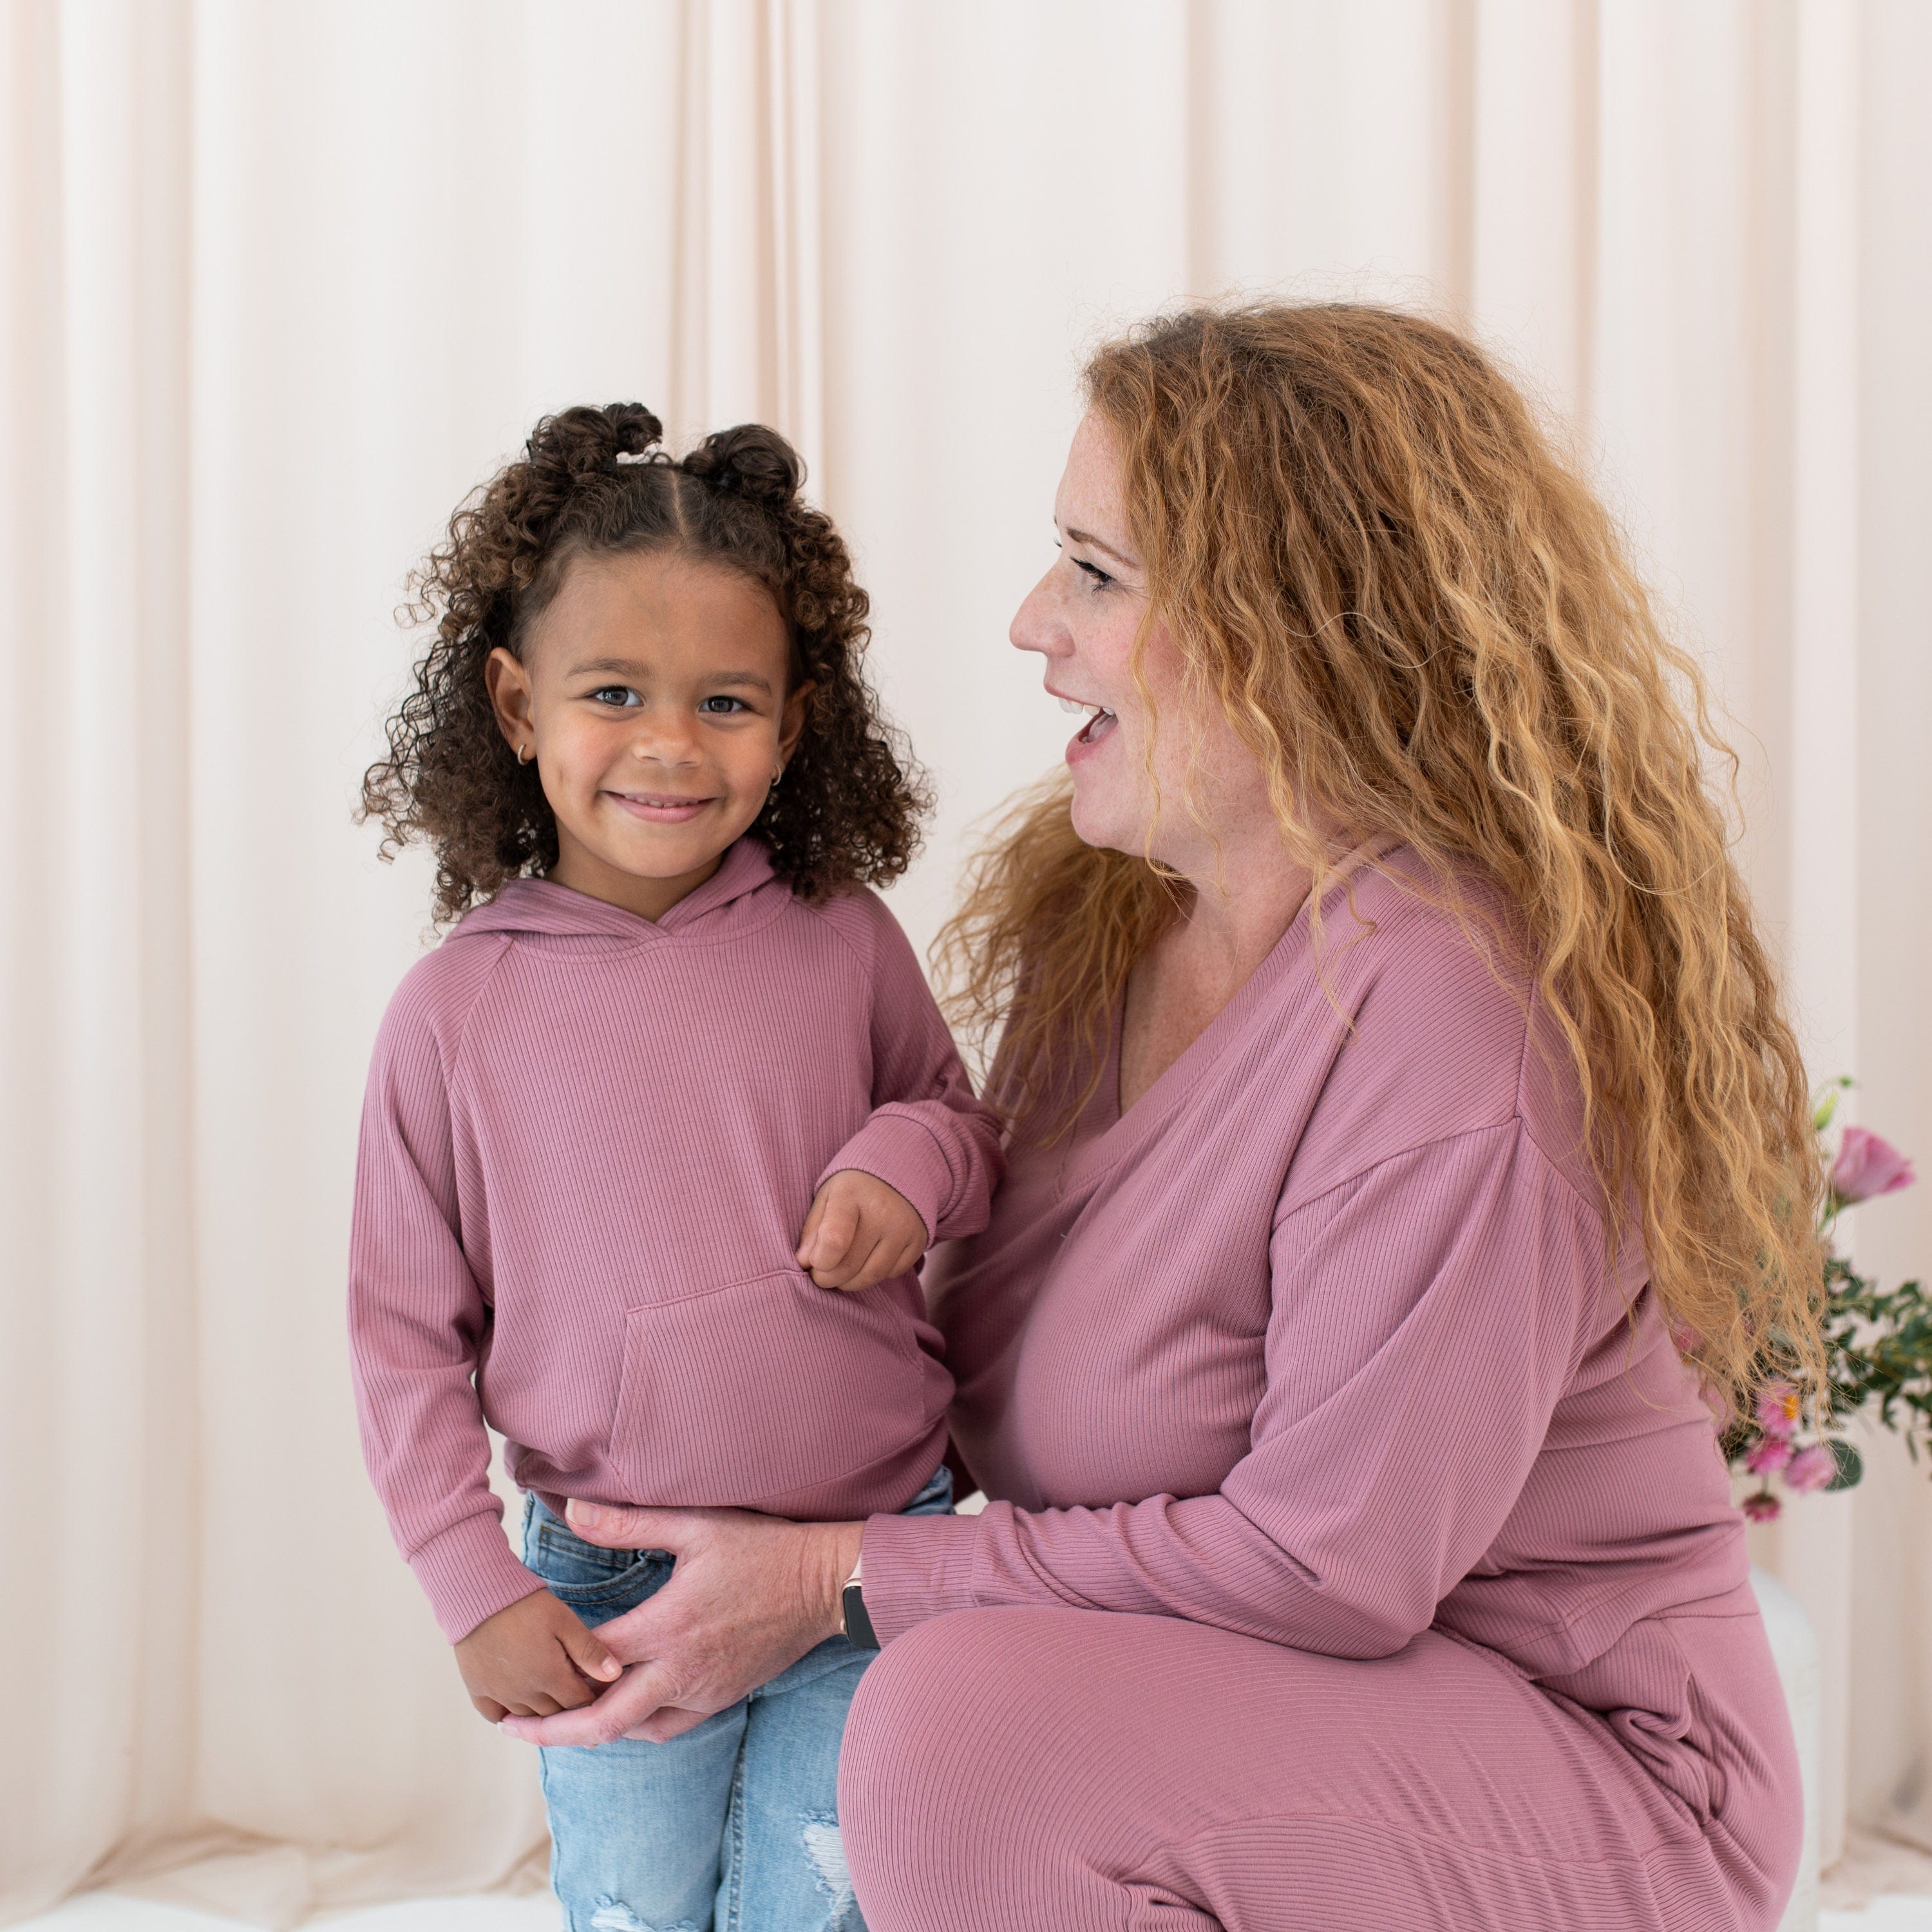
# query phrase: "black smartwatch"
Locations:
[[853, 1620]]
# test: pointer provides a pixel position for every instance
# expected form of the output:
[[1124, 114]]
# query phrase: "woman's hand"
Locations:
[[749, 1596]]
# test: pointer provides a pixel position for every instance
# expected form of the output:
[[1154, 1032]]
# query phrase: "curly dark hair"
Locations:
[[596, 481]]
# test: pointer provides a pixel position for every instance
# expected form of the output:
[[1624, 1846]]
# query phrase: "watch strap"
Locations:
[[853, 1620]]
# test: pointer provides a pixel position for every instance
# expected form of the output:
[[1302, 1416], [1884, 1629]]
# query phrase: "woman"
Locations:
[[1398, 1083]]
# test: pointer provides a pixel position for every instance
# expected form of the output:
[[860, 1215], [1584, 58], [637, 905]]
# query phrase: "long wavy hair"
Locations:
[[595, 481], [1414, 612]]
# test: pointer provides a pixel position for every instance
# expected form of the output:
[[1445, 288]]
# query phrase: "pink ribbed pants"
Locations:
[[1047, 1770]]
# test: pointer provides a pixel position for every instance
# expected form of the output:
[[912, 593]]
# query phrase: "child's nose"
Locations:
[[666, 741]]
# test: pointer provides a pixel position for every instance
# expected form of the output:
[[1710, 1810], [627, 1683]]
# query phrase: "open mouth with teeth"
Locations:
[[657, 807], [1099, 721]]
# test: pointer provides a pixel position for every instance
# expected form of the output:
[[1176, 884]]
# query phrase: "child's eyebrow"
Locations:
[[622, 667]]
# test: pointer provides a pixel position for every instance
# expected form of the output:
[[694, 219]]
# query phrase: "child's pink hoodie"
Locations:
[[588, 1147]]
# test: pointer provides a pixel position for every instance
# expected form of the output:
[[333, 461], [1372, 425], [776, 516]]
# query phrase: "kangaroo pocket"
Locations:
[[763, 1387]]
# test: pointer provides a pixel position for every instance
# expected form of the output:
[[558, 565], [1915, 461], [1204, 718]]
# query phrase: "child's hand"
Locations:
[[532, 1660], [859, 1233]]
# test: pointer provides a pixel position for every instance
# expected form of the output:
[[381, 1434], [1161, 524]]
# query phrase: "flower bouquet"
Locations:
[[1878, 1350]]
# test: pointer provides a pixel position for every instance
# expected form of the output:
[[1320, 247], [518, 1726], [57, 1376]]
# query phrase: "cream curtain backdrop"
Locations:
[[283, 283]]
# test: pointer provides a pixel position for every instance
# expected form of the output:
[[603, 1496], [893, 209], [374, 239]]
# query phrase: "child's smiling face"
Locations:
[[652, 691]]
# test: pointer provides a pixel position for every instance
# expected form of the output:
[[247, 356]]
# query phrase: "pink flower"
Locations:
[[1769, 1455], [1811, 1468], [1867, 1166], [1778, 1409], [1761, 1507]]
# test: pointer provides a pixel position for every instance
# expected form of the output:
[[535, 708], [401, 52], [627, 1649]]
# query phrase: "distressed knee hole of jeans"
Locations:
[[612, 1915], [825, 1849]]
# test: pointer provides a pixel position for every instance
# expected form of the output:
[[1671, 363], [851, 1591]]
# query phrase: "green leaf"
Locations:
[[1851, 1466]]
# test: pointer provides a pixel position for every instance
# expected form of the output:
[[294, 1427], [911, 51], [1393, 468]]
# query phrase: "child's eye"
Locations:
[[616, 693], [721, 706]]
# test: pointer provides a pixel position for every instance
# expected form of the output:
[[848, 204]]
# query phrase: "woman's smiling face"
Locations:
[[653, 690], [1082, 617]]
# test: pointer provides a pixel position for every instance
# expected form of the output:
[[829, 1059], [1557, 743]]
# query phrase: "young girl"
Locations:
[[655, 1139]]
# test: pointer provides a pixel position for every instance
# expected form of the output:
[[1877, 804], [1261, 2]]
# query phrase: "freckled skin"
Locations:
[[1205, 813], [1082, 618]]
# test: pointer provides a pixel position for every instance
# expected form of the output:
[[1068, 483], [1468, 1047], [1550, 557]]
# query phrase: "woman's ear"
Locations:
[[508, 685], [791, 720]]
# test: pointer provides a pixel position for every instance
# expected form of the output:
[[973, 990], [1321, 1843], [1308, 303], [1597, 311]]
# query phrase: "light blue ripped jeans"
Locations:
[[732, 1827]]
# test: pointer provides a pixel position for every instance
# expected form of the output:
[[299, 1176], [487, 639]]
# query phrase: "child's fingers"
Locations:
[[587, 1651], [565, 1688], [886, 1264], [838, 1231], [904, 1261], [889, 1259], [865, 1265], [622, 1708], [831, 1254], [862, 1270], [836, 1270], [808, 1237], [489, 1707]]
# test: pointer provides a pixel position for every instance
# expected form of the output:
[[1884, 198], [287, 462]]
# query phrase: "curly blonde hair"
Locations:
[[1414, 613]]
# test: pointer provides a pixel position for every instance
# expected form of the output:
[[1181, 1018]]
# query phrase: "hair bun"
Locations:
[[582, 441], [635, 431], [751, 459]]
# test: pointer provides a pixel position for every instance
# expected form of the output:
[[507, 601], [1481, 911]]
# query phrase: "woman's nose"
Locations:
[[1036, 624]]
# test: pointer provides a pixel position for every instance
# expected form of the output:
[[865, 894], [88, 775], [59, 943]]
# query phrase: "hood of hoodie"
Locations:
[[743, 892]]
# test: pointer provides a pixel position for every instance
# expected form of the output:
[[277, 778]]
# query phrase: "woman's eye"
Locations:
[[616, 693], [721, 707], [1097, 579]]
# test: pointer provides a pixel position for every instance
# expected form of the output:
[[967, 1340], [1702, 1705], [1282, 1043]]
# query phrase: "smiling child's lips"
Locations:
[[660, 804]]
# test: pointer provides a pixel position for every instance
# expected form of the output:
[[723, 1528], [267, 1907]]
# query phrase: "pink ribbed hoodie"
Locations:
[[588, 1147]]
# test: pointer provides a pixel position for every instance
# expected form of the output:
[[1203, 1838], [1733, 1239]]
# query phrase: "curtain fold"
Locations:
[[283, 284]]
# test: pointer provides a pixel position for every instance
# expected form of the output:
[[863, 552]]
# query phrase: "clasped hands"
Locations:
[[749, 1594]]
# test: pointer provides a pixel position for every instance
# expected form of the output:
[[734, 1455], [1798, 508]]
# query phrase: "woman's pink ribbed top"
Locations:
[[1322, 1342]]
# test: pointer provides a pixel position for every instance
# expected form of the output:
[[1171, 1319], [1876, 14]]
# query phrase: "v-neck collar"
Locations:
[[1132, 1128]]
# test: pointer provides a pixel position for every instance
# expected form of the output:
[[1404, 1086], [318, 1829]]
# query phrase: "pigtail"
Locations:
[[751, 461]]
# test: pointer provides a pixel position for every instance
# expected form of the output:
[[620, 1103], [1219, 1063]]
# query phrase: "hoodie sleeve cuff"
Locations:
[[899, 1149], [468, 1573], [917, 1566]]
